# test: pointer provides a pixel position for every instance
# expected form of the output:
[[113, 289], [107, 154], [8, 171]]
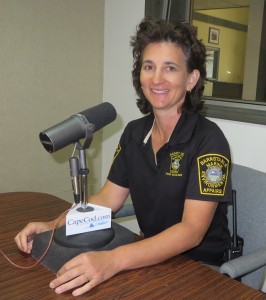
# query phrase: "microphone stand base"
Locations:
[[93, 239], [60, 252]]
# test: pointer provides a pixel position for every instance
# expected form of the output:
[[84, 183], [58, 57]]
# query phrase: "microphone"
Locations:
[[78, 126], [96, 235], [74, 174]]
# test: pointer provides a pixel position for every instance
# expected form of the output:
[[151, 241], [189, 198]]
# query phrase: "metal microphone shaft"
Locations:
[[74, 173]]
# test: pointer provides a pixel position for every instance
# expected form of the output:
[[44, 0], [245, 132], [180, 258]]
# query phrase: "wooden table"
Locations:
[[177, 278]]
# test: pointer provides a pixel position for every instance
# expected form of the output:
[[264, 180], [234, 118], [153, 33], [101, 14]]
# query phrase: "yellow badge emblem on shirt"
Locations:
[[176, 158], [212, 173]]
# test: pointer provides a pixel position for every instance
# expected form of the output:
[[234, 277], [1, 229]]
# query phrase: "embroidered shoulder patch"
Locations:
[[212, 174]]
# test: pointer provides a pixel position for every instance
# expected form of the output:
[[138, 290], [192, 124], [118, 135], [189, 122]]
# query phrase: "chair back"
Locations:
[[250, 186]]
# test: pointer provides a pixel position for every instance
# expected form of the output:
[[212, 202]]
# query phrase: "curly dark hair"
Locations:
[[184, 36]]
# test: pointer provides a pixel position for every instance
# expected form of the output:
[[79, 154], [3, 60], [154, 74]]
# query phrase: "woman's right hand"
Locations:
[[24, 238]]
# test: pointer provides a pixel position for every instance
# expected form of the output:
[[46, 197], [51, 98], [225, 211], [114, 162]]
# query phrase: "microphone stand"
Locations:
[[79, 176], [92, 239]]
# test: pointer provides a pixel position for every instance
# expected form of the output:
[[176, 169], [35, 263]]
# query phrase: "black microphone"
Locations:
[[77, 127]]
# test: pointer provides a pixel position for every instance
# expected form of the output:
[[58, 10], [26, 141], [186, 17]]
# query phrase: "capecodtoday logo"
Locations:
[[90, 221]]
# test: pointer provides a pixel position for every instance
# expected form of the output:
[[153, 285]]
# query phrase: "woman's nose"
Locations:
[[157, 77]]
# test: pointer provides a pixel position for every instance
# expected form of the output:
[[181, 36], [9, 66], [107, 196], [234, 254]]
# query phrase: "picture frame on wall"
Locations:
[[214, 35]]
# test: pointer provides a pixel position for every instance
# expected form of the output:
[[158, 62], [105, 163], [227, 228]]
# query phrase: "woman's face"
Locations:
[[164, 77]]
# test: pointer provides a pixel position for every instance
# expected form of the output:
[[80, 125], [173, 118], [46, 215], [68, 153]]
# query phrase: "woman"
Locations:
[[173, 162]]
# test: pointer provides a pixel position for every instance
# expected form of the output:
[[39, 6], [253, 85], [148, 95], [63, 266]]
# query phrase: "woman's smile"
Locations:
[[161, 92]]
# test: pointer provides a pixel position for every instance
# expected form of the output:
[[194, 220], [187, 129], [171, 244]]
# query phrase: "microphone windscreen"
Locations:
[[100, 115], [76, 127]]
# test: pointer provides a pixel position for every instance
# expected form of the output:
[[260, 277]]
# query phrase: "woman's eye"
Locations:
[[147, 67], [171, 68]]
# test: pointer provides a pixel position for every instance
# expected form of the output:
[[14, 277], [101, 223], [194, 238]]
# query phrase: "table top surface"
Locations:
[[176, 278]]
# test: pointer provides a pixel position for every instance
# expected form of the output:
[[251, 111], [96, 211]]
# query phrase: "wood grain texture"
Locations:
[[177, 278]]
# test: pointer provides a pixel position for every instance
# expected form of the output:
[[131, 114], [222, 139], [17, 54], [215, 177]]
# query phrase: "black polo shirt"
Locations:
[[194, 164]]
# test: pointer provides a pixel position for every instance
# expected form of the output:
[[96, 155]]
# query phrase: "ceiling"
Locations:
[[215, 4]]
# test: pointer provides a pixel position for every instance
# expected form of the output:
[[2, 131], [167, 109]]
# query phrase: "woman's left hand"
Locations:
[[84, 272]]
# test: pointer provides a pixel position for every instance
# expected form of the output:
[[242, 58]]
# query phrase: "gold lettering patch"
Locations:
[[212, 174]]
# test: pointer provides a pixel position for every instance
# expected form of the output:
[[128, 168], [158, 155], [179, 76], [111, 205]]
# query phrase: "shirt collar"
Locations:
[[182, 131], [149, 133], [184, 128]]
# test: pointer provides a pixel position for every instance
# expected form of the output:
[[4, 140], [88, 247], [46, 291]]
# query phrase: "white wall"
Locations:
[[247, 142], [121, 18]]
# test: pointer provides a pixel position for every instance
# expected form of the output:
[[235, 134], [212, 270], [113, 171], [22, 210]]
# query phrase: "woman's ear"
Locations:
[[193, 79]]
